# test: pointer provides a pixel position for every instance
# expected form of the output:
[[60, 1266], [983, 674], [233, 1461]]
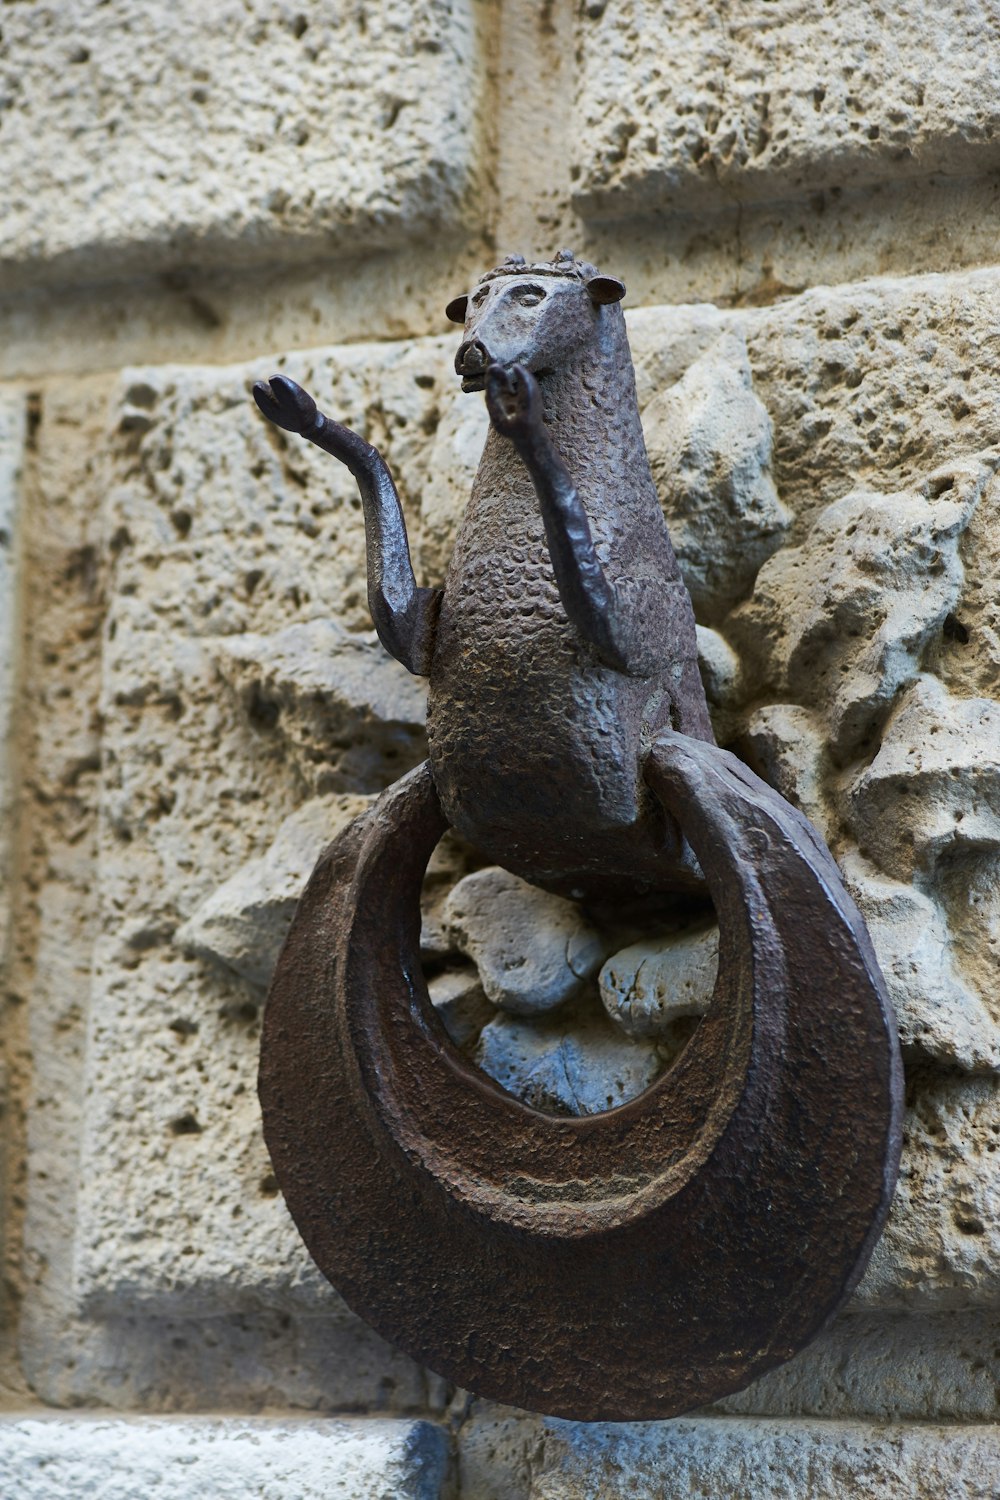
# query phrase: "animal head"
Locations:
[[537, 316]]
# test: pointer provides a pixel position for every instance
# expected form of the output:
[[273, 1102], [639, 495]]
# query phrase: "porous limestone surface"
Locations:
[[938, 1013], [227, 1458], [13, 411], [682, 107], [220, 536], [574, 1064], [729, 1459], [145, 137], [843, 621], [12, 434], [648, 986], [933, 790], [534, 950], [243, 923], [710, 438], [240, 682], [887, 1367], [129, 1359], [939, 1250]]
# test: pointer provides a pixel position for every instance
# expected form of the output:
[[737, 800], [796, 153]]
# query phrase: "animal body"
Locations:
[[563, 639]]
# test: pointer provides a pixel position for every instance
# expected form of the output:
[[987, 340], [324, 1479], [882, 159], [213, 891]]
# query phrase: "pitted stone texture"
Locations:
[[219, 527], [710, 441], [840, 623], [938, 1012], [351, 715], [243, 924], [55, 908], [875, 385], [228, 1458], [460, 1001], [970, 895], [13, 412], [257, 131], [568, 1065], [968, 654], [534, 950], [503, 1458], [685, 108], [222, 537], [886, 1367], [648, 986], [941, 1248], [787, 746], [933, 790], [253, 530], [133, 1360]]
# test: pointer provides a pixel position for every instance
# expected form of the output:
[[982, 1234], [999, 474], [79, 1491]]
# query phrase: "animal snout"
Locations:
[[472, 361]]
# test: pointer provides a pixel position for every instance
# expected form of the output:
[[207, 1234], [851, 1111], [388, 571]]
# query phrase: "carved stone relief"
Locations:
[[208, 552]]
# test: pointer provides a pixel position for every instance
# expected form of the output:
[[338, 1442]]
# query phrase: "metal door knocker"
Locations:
[[638, 1263]]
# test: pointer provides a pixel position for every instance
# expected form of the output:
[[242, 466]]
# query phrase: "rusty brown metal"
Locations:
[[628, 1265], [642, 1262]]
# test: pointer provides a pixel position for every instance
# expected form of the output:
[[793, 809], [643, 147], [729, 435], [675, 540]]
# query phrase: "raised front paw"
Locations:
[[285, 403], [513, 400]]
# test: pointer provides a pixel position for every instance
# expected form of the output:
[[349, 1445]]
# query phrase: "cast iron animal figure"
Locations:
[[564, 637], [645, 1261]]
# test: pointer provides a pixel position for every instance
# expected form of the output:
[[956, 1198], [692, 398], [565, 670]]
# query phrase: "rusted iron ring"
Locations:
[[633, 1264]]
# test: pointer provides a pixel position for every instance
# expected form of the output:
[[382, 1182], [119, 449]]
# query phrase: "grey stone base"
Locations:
[[220, 1458], [724, 1458]]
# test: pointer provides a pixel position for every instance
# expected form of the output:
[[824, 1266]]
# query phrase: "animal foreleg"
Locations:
[[611, 623], [405, 616]]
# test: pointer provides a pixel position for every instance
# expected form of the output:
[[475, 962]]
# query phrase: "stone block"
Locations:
[[243, 924], [350, 714], [787, 746], [257, 132], [573, 1064], [939, 1013], [874, 385], [680, 108], [49, 1458], [710, 441], [534, 950], [933, 790], [941, 1248], [886, 1367], [221, 536], [648, 986], [726, 1458], [841, 622], [240, 681], [13, 412]]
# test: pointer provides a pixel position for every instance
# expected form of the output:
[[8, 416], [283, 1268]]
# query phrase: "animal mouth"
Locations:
[[471, 362]]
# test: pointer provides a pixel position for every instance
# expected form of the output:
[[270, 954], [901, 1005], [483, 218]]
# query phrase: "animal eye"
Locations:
[[528, 296]]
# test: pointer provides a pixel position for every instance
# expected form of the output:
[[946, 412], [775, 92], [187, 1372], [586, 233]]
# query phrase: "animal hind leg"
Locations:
[[405, 616]]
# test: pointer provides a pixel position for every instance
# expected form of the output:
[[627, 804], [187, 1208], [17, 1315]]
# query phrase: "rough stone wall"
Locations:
[[804, 203]]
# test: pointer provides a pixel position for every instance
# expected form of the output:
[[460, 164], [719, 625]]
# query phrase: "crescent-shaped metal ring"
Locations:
[[628, 1265]]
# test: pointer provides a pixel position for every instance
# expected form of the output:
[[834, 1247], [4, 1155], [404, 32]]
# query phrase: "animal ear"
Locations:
[[456, 309], [604, 289]]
